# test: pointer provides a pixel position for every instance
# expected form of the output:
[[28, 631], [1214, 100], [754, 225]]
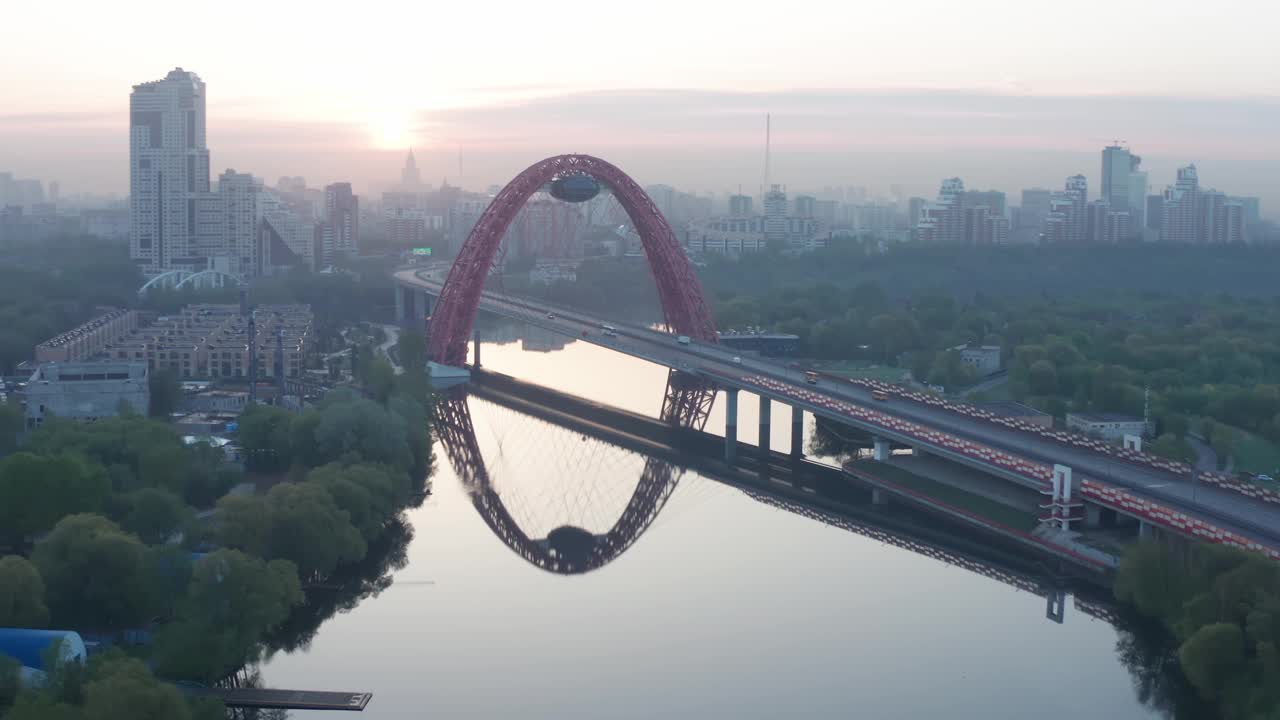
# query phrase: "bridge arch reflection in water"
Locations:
[[569, 549]]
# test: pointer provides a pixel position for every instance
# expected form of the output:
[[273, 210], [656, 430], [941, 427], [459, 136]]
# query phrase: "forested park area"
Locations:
[[119, 529], [50, 287], [1222, 608]]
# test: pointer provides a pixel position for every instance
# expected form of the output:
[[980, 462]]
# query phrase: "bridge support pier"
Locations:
[[879, 497], [1145, 531], [881, 450], [421, 306], [797, 431], [1092, 515], [400, 310], [1056, 605], [475, 352], [731, 425], [766, 406]]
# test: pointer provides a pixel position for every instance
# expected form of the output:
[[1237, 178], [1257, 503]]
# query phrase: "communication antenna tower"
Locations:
[[767, 140]]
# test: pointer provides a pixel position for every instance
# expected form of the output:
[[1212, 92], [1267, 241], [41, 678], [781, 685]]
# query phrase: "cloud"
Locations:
[[60, 119], [710, 140]]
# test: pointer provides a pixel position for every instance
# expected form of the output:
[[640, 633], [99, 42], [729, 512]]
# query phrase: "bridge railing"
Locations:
[[1135, 457], [1036, 472]]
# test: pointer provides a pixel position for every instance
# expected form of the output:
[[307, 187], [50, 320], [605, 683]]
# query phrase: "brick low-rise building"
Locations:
[[212, 341], [89, 339]]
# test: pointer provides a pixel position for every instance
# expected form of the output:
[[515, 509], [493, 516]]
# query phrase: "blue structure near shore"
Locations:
[[30, 646]]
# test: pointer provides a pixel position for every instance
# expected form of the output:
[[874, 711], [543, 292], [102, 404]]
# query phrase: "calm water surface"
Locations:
[[725, 607]]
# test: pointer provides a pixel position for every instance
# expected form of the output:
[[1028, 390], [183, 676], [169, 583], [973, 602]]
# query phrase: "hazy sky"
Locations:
[[1001, 93]]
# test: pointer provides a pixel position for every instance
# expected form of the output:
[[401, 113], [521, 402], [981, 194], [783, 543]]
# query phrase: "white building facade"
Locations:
[[86, 391], [168, 171]]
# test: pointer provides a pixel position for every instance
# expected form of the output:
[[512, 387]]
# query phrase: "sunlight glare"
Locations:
[[391, 130]]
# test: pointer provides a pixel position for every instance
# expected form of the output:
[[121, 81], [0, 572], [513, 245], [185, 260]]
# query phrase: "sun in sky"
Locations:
[[391, 130]]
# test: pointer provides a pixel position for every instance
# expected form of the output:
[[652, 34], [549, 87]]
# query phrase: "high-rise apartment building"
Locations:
[[805, 206], [915, 211], [959, 216], [1124, 186], [740, 205], [1195, 215], [341, 218], [1118, 164], [1137, 209], [168, 171], [1068, 218], [1155, 212], [775, 215], [1035, 208], [993, 200], [875, 219], [824, 211], [942, 221], [239, 204]]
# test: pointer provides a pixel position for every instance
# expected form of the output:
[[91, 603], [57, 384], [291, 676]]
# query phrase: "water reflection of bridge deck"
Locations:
[[270, 699], [809, 489]]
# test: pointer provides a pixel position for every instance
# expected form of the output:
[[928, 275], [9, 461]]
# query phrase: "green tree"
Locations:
[[208, 477], [379, 378], [168, 569], [1043, 378], [40, 706], [1175, 424], [93, 573], [244, 523], [1211, 656], [9, 682], [413, 350], [1207, 427], [355, 429], [265, 434], [154, 515], [1173, 448], [165, 390], [21, 594], [367, 493], [12, 422], [1223, 443], [124, 688], [233, 599], [36, 491], [309, 529], [1150, 579]]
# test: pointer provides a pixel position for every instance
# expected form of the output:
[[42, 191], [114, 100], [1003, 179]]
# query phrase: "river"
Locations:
[[724, 607]]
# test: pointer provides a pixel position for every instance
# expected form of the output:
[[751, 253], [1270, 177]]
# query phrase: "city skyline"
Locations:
[[859, 98], [828, 138]]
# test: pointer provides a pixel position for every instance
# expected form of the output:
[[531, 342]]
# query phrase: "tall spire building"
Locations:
[[410, 178]]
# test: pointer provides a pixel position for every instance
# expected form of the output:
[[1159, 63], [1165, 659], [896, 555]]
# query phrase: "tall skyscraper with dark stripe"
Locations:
[[168, 171]]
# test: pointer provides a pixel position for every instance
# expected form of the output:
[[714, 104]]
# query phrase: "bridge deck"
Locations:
[[1153, 494]]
